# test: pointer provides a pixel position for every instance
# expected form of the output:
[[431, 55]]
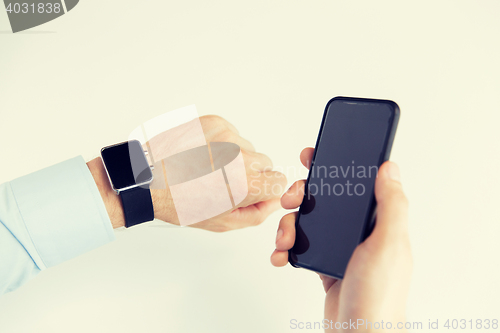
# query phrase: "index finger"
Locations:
[[306, 156]]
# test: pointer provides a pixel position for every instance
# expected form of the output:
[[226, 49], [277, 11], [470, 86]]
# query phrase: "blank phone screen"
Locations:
[[339, 198]]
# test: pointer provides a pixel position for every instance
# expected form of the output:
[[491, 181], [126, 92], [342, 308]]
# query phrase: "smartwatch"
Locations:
[[130, 174]]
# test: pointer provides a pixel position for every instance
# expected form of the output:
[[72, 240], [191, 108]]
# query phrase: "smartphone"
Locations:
[[338, 210]]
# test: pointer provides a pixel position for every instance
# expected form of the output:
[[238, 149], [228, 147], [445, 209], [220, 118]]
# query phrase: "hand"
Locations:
[[377, 279], [264, 185]]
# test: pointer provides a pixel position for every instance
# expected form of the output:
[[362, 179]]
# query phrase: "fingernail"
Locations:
[[279, 235], [393, 172]]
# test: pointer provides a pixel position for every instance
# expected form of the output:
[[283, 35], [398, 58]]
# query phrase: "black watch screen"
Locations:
[[126, 165]]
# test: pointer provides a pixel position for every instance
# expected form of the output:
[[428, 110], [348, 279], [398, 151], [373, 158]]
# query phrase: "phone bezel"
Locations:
[[388, 143]]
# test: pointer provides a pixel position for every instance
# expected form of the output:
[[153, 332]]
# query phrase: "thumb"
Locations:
[[392, 204]]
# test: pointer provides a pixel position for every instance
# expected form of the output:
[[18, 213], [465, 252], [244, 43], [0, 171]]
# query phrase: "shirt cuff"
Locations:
[[63, 212]]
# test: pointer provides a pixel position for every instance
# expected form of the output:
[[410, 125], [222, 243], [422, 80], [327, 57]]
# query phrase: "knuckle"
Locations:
[[212, 118], [223, 228], [289, 218], [213, 122], [283, 221], [257, 221], [402, 199], [405, 200], [396, 196], [267, 163], [282, 178], [226, 136]]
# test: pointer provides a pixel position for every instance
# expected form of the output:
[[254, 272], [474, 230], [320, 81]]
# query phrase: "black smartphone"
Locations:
[[338, 210]]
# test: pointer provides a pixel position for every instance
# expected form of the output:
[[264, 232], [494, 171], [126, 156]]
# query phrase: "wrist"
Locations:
[[162, 202], [111, 201], [163, 205]]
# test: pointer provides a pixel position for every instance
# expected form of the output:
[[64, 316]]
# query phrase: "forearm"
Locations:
[[50, 216], [111, 200]]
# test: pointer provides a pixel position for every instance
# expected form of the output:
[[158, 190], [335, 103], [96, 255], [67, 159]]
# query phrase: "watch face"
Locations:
[[126, 164]]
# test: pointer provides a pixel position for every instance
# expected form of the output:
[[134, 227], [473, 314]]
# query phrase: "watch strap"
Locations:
[[137, 206]]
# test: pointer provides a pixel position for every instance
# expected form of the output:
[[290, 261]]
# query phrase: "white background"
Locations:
[[88, 78]]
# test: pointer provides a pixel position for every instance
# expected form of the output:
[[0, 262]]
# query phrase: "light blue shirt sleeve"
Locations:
[[48, 217]]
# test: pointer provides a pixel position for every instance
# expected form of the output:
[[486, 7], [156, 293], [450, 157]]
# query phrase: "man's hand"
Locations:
[[265, 186], [377, 279]]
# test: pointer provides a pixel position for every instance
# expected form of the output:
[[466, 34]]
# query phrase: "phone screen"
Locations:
[[338, 205]]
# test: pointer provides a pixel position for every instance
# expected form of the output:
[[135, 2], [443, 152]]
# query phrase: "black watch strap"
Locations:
[[137, 206]]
